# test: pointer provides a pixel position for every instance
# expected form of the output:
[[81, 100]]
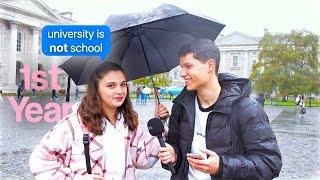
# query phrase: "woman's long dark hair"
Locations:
[[90, 109]]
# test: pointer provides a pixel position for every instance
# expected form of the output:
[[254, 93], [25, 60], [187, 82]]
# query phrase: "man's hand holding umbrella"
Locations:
[[161, 112]]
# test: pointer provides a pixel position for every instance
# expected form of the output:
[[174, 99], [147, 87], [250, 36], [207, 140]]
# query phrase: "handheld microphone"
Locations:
[[156, 129]]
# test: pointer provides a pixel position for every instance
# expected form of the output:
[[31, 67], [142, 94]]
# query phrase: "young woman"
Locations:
[[117, 143]]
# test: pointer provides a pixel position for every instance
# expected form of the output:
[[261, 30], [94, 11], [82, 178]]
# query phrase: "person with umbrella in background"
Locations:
[[145, 94], [213, 118], [117, 142]]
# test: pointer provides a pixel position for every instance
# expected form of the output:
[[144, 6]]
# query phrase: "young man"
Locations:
[[201, 123]]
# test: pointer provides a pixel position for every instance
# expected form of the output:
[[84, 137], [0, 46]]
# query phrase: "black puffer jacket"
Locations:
[[258, 156]]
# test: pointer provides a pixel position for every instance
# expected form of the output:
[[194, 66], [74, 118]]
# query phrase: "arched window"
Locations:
[[19, 40], [40, 68]]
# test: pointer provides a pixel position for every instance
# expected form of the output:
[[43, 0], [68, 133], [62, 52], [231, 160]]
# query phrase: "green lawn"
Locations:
[[278, 102]]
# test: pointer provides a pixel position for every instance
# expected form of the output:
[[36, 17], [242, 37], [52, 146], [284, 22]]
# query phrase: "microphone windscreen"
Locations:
[[155, 126]]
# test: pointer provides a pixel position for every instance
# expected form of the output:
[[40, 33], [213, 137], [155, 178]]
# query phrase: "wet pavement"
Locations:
[[298, 138], [299, 141]]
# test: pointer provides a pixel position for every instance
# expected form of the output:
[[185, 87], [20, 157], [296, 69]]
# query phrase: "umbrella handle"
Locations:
[[155, 89], [157, 97]]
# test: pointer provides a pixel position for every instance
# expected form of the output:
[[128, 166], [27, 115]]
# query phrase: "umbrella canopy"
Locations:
[[175, 90], [146, 43], [146, 90], [79, 68]]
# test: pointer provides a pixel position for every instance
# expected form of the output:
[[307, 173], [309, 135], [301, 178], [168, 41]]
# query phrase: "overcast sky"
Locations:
[[247, 16]]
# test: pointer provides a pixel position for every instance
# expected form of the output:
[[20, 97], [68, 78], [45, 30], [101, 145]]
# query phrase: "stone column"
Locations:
[[246, 64], [12, 56], [35, 50], [223, 61]]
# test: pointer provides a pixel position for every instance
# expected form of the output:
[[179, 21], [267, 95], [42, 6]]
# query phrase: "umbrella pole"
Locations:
[[154, 87], [68, 90], [145, 56]]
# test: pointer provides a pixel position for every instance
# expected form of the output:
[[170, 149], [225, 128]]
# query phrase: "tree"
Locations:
[[160, 80], [288, 64]]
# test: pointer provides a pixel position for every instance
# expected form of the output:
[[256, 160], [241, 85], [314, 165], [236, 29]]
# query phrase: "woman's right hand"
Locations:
[[167, 154], [94, 176]]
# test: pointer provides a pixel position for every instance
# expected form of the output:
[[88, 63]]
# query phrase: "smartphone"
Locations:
[[196, 156]]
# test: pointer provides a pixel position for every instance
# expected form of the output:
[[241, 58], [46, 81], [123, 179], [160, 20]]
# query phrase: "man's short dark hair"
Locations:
[[203, 50]]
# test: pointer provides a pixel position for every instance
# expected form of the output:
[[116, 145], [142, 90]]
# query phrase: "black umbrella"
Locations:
[[79, 68], [147, 43]]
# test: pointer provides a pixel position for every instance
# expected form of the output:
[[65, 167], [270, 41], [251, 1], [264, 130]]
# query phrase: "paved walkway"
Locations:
[[273, 111]]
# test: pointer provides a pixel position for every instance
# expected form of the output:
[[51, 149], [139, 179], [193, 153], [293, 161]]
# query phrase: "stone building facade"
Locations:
[[21, 22]]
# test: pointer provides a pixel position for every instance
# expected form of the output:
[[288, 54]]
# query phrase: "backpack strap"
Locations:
[[86, 140], [237, 145]]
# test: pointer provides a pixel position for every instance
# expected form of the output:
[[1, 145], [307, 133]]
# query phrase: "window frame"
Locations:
[[19, 41], [233, 61]]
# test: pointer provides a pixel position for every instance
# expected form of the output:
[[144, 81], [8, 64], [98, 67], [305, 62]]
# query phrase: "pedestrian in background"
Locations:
[[1, 99], [297, 103], [53, 95], [19, 90], [77, 92], [261, 99], [144, 95], [138, 93], [301, 105], [33, 93]]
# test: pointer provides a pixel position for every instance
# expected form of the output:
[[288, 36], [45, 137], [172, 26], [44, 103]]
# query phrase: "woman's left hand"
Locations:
[[161, 112]]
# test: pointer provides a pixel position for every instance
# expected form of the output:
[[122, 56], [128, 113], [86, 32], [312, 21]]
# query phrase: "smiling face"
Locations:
[[112, 89], [195, 73]]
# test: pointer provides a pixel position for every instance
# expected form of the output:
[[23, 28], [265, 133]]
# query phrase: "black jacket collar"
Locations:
[[232, 88]]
